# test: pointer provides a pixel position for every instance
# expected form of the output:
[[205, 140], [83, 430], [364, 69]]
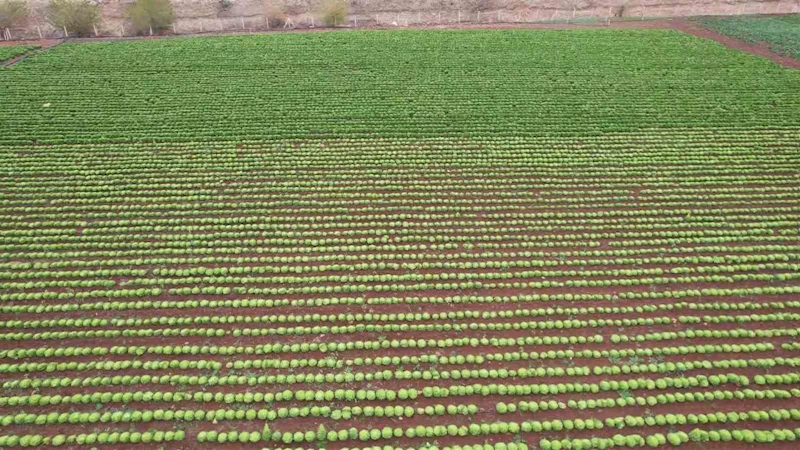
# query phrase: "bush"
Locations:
[[12, 12], [333, 12], [145, 14], [78, 16], [275, 16]]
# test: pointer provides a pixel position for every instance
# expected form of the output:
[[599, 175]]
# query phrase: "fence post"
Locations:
[[121, 30], [66, 35], [242, 22], [151, 30], [40, 31], [95, 30], [174, 28]]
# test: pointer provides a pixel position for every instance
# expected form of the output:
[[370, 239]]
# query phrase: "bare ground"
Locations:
[[42, 43]]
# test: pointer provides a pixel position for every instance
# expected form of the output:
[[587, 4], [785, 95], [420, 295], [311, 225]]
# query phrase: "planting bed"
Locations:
[[11, 51], [457, 239], [780, 33]]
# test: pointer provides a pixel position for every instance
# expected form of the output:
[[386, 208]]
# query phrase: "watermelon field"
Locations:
[[416, 239]]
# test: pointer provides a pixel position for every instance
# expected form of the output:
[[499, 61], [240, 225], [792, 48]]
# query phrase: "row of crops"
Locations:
[[400, 85], [11, 51], [780, 33], [456, 240]]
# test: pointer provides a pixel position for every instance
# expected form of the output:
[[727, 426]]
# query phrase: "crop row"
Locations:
[[366, 320], [416, 360]]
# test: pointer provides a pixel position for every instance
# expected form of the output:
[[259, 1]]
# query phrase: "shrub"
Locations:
[[333, 12], [77, 16], [147, 14], [12, 12], [274, 14]]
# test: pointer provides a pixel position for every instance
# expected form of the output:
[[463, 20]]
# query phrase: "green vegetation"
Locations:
[[150, 15], [782, 33], [12, 12], [403, 84], [456, 240], [79, 17], [12, 51], [334, 12]]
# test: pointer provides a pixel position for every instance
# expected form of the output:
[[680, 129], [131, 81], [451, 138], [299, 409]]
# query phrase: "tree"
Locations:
[[146, 15], [333, 12], [77, 16], [12, 12]]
